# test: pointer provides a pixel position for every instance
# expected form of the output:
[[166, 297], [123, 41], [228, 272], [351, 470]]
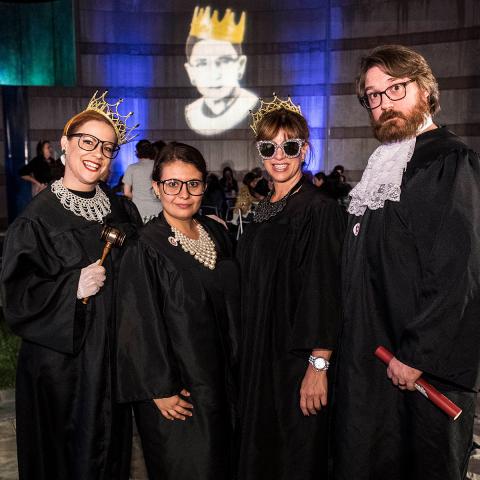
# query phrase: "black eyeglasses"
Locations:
[[291, 148], [172, 186], [395, 92], [89, 142]]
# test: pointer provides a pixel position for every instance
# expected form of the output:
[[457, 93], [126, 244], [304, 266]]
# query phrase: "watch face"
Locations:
[[319, 363]]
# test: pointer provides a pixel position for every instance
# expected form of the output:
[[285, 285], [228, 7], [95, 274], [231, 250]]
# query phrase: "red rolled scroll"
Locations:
[[427, 390]]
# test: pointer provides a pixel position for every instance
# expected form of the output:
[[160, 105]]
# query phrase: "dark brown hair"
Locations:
[[79, 119], [40, 146], [145, 149], [178, 151], [293, 123], [400, 62]]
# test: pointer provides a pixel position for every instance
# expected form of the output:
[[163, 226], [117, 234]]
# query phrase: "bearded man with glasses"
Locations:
[[411, 265]]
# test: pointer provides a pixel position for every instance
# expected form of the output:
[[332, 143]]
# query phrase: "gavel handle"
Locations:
[[106, 249]]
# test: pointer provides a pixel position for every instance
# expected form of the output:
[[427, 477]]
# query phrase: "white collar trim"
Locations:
[[382, 178]]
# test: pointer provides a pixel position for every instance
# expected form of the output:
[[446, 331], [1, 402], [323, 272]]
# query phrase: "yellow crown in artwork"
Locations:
[[111, 113], [267, 107], [205, 26]]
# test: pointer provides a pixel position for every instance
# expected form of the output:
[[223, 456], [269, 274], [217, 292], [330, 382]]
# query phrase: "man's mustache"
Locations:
[[389, 114]]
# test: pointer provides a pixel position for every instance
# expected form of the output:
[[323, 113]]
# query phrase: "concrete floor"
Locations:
[[8, 462]]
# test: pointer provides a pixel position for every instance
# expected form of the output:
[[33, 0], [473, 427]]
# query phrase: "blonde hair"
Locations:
[[83, 117]]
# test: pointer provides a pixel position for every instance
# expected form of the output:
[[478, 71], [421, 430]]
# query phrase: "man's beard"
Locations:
[[405, 126]]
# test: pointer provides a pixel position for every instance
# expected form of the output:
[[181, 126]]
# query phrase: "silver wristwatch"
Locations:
[[320, 364]]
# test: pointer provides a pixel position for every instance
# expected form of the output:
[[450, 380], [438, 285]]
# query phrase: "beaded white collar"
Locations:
[[93, 209]]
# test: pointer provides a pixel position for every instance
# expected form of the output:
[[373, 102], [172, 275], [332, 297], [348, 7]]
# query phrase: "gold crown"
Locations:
[[203, 26], [267, 107], [111, 113]]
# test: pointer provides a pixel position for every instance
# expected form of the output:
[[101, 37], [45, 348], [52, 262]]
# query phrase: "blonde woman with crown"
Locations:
[[68, 425], [289, 260]]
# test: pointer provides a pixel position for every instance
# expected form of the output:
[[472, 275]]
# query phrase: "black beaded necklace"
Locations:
[[267, 209]]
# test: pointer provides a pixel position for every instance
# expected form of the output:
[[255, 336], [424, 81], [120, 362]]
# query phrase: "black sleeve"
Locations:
[[29, 169], [443, 338], [318, 313], [146, 365], [39, 293]]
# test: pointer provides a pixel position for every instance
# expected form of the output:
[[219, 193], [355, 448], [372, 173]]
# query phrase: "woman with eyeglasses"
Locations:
[[289, 260], [68, 424], [177, 340]]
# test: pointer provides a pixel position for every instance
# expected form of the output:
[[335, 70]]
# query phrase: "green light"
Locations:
[[37, 44]]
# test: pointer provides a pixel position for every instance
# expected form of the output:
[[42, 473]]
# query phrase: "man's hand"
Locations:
[[401, 375]]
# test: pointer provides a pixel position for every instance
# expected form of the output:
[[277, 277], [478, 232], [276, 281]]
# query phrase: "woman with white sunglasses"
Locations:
[[289, 260]]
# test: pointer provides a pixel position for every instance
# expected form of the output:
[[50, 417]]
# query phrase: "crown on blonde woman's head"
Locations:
[[267, 107], [205, 26], [111, 113]]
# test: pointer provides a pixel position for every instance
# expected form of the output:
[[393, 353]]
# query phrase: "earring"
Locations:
[[63, 157]]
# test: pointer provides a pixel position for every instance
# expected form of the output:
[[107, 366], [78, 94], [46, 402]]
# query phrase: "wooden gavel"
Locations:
[[113, 238]]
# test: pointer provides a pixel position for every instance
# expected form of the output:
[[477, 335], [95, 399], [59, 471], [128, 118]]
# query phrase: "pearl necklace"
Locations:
[[203, 249], [92, 209]]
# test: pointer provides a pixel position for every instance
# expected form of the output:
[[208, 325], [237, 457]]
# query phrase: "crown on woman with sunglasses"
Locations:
[[267, 107], [111, 113]]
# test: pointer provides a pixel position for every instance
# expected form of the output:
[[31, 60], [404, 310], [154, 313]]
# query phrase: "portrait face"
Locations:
[[396, 120], [183, 205], [84, 169], [215, 68], [281, 168]]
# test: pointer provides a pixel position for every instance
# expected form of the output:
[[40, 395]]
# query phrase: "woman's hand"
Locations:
[[92, 279], [313, 391], [175, 407]]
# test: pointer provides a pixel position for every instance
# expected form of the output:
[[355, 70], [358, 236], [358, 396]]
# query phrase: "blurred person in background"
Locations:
[[137, 181], [43, 168]]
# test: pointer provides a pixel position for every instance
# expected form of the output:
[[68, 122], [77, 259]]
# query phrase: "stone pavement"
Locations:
[[8, 462]]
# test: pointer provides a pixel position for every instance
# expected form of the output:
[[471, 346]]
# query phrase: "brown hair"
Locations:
[[79, 119], [399, 61], [174, 151], [293, 123]]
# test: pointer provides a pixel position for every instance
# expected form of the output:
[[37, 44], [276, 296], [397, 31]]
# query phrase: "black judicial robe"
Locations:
[[177, 329], [290, 269], [68, 426], [411, 283]]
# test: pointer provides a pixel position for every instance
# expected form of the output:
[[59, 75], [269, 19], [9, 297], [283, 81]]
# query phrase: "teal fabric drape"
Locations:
[[37, 43]]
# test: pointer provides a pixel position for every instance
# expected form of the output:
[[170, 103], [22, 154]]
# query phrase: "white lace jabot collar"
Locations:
[[382, 178]]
